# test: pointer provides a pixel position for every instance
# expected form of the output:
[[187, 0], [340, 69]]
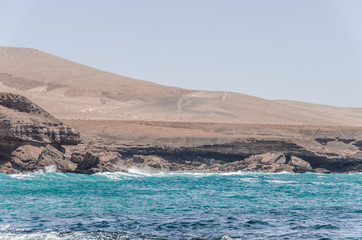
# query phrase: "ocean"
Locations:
[[141, 205]]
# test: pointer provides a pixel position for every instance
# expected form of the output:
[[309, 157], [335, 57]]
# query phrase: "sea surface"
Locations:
[[139, 205]]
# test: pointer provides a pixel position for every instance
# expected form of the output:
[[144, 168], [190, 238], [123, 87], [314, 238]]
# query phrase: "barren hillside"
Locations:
[[70, 90]]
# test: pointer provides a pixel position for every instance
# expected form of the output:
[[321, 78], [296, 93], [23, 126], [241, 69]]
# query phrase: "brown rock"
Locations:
[[285, 168], [24, 155], [321, 170], [90, 161], [76, 157], [23, 121], [300, 165], [151, 161], [202, 167], [26, 135], [52, 157], [252, 167], [270, 158]]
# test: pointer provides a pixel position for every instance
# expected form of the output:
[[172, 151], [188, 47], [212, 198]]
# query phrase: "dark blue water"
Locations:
[[181, 206]]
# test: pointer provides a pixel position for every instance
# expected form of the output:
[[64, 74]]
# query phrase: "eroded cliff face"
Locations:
[[244, 155], [32, 140], [28, 134], [209, 147]]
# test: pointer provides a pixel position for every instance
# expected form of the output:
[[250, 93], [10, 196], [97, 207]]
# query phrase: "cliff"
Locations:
[[30, 138], [209, 147]]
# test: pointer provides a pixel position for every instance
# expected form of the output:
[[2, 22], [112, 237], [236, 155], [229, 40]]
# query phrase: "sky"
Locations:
[[303, 50]]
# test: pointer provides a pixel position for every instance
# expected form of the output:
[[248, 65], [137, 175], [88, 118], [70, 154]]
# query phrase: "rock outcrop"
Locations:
[[248, 155], [30, 138]]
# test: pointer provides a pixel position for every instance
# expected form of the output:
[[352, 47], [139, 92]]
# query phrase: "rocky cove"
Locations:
[[32, 140]]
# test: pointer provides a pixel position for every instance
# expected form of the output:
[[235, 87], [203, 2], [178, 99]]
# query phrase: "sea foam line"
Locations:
[[134, 172]]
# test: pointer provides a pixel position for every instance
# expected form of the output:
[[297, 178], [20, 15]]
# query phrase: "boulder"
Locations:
[[89, 161], [271, 158], [52, 157], [300, 164], [24, 156], [99, 162]]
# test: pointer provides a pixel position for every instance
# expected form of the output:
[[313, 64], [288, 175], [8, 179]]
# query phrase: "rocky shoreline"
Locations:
[[238, 156], [31, 140]]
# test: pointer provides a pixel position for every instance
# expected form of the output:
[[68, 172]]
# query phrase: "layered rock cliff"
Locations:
[[165, 146], [244, 155], [30, 138]]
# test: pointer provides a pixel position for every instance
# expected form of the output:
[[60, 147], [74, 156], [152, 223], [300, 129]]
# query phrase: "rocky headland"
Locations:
[[30, 138], [33, 140]]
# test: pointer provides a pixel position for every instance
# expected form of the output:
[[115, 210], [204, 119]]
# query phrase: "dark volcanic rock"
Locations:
[[243, 155], [89, 161], [98, 161]]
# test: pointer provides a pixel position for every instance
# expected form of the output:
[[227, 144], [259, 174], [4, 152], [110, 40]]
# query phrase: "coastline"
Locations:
[[31, 139]]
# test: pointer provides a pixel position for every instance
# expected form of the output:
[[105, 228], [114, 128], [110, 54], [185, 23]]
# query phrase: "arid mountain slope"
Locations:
[[72, 91]]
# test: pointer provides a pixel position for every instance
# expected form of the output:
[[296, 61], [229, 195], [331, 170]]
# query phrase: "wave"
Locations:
[[64, 235], [55, 235], [7, 233], [280, 181], [134, 172], [146, 172]]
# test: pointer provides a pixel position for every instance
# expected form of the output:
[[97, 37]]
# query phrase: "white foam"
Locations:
[[236, 173], [145, 172], [229, 238], [248, 179], [24, 175], [280, 181], [41, 236], [114, 175], [63, 234], [141, 171], [47, 169], [51, 169], [4, 227], [148, 172]]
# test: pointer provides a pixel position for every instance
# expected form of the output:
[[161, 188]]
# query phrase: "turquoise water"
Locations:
[[181, 206]]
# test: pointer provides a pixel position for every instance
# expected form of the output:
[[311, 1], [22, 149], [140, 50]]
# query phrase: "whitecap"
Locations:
[[41, 236], [4, 227], [235, 173], [24, 175], [141, 171], [51, 169], [248, 179], [149, 172], [114, 175], [280, 181], [47, 169], [229, 238]]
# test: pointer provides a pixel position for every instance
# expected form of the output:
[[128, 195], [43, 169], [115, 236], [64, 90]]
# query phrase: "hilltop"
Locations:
[[70, 90]]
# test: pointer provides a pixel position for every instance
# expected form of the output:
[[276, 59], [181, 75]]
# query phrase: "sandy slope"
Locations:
[[72, 91]]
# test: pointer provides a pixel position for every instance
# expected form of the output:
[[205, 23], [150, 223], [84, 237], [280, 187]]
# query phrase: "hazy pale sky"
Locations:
[[305, 50]]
